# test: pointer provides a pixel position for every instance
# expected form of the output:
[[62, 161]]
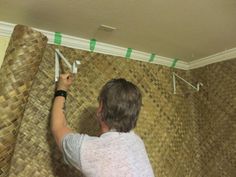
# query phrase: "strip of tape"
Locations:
[[152, 57], [128, 53], [75, 66], [57, 67], [174, 63], [92, 44], [64, 59], [58, 64], [57, 38]]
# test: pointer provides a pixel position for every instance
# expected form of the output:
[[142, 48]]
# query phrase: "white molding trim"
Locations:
[[83, 44], [218, 57], [6, 29]]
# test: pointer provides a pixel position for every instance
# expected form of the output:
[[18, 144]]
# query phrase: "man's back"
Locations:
[[119, 153], [113, 154]]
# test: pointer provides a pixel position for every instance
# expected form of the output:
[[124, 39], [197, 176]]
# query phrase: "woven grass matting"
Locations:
[[166, 123], [188, 134], [215, 109], [17, 72]]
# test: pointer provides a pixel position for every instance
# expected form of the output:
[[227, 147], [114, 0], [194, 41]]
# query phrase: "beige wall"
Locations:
[[3, 46]]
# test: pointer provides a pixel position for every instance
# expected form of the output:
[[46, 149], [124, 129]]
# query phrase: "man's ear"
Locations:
[[99, 110], [100, 106]]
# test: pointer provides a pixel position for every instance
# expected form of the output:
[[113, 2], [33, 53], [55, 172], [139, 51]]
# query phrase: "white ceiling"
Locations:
[[183, 29]]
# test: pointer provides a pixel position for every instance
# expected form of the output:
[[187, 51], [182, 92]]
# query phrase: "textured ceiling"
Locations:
[[181, 29]]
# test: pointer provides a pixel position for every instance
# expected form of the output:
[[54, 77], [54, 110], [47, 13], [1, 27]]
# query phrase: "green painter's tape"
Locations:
[[152, 57], [92, 44], [57, 38], [174, 63], [128, 53]]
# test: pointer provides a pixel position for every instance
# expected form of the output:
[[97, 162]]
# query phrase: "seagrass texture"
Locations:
[[215, 109], [165, 124], [19, 67]]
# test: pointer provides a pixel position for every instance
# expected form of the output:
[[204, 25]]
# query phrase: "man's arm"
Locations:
[[59, 126]]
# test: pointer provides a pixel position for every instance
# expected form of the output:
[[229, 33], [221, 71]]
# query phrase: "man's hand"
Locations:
[[64, 82]]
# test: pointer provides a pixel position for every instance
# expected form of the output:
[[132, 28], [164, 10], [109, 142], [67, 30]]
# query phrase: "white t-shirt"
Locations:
[[113, 154]]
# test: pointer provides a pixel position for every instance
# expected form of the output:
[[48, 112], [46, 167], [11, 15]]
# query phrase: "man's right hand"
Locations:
[[65, 81]]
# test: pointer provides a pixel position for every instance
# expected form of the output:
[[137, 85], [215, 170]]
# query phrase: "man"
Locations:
[[118, 152]]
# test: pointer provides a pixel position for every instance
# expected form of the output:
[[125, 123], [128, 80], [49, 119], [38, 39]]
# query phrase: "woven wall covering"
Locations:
[[215, 109], [186, 135], [166, 123], [17, 72]]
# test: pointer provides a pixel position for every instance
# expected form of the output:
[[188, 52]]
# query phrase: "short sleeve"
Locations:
[[71, 145]]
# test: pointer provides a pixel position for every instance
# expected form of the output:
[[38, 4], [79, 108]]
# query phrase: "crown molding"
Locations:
[[218, 57], [83, 44], [104, 48], [6, 29]]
